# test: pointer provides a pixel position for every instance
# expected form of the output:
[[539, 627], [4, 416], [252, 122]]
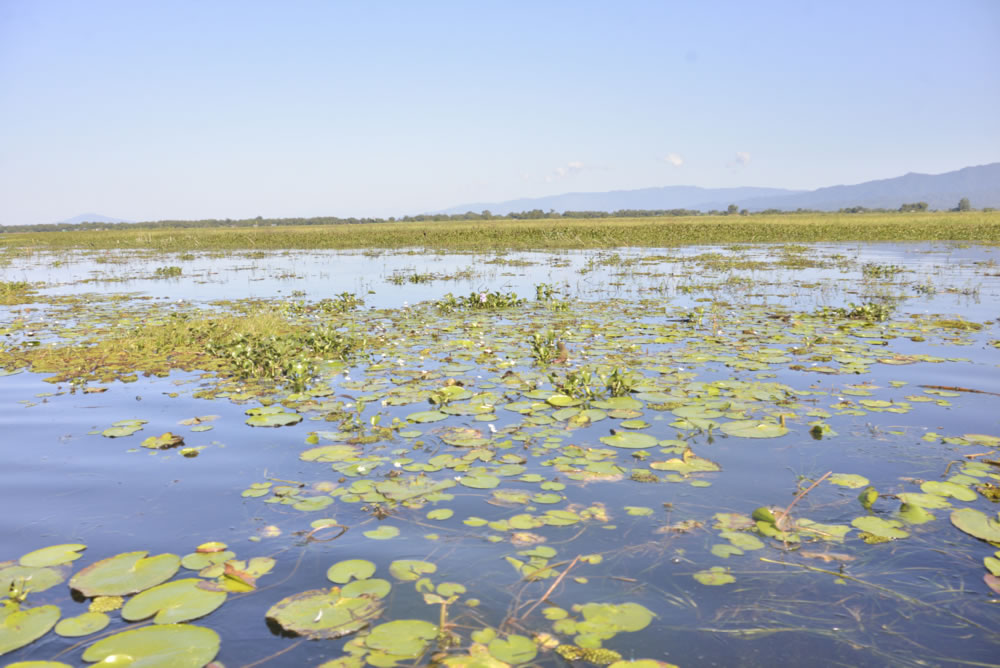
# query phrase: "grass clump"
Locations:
[[168, 272], [15, 292], [479, 301]]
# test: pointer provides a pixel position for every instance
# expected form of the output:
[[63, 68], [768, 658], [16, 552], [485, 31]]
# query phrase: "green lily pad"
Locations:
[[411, 569], [880, 527], [324, 613], [946, 488], [440, 513], [38, 579], [976, 523], [382, 533], [480, 481], [173, 602], [743, 540], [924, 500], [754, 429], [166, 646], [22, 627], [343, 572], [271, 416], [627, 617], [82, 625], [632, 440], [915, 514], [53, 555], [123, 428], [849, 480], [126, 573], [725, 551], [407, 638], [717, 575], [163, 441], [563, 401], [330, 453], [619, 403], [513, 649], [374, 587], [868, 497], [426, 416]]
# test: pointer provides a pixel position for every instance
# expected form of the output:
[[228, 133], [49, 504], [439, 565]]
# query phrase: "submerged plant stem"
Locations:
[[552, 588]]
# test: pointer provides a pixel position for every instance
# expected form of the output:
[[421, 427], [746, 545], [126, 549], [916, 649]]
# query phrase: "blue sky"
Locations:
[[154, 110]]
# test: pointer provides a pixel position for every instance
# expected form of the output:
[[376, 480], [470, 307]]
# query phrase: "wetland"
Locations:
[[717, 454]]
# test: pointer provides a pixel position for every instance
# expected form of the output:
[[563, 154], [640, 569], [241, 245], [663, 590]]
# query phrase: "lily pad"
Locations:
[[271, 416], [513, 649], [38, 579], [82, 625], [717, 575], [882, 528], [324, 613], [123, 428], [480, 481], [166, 646], [976, 523], [22, 627], [173, 602], [407, 638], [126, 573], [628, 617], [946, 488], [382, 533], [754, 429], [53, 555], [426, 416], [631, 440], [924, 500], [343, 572], [411, 569], [849, 480], [163, 441], [373, 587]]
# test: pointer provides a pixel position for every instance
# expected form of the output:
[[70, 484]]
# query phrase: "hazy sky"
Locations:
[[195, 109]]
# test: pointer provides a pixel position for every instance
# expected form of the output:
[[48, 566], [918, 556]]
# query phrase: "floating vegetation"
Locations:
[[495, 480], [172, 271]]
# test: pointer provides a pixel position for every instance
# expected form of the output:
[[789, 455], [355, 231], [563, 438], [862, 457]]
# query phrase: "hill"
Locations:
[[980, 184]]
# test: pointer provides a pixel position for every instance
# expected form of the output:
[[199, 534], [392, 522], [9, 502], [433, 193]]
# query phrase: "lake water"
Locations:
[[744, 375]]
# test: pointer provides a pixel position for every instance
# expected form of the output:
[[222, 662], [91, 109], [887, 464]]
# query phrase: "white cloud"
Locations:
[[742, 158], [572, 167], [674, 159]]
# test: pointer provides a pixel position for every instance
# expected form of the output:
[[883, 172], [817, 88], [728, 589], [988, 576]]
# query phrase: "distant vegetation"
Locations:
[[534, 214], [550, 232]]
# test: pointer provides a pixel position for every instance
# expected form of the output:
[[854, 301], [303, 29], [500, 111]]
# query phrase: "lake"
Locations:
[[699, 456]]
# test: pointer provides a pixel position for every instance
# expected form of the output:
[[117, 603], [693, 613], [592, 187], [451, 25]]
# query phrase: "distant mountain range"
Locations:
[[91, 218], [941, 191]]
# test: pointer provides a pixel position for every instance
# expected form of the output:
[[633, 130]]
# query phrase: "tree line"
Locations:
[[533, 214]]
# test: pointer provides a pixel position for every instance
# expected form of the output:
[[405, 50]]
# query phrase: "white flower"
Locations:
[[493, 429], [361, 469]]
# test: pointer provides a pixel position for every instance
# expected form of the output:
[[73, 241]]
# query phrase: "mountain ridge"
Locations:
[[980, 184]]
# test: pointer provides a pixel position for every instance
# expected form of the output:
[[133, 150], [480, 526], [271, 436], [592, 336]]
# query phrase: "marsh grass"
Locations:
[[14, 292], [981, 227]]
